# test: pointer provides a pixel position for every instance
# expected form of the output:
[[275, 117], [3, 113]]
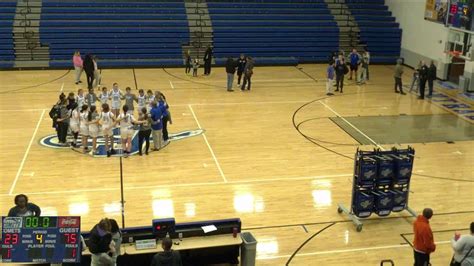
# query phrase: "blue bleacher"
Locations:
[[7, 52], [286, 32], [118, 33], [127, 33], [378, 29]]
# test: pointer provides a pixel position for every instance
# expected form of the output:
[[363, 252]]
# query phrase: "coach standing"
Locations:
[[398, 77], [157, 126], [89, 69], [423, 77], [207, 61]]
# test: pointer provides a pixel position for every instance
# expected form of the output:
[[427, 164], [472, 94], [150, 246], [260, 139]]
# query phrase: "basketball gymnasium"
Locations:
[[237, 132]]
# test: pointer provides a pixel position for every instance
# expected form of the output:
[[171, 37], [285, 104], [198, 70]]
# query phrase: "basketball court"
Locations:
[[251, 160]]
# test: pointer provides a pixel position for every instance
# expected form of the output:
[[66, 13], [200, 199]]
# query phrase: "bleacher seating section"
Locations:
[[302, 32], [378, 29], [138, 34], [7, 54], [119, 33]]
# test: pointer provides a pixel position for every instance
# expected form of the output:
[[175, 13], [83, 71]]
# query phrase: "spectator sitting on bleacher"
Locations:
[[168, 257], [24, 208]]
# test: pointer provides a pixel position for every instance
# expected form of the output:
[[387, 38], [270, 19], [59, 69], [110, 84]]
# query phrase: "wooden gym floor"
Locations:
[[250, 163]]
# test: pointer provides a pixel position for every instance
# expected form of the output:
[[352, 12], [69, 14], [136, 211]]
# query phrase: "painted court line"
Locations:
[[26, 153], [208, 145], [342, 251], [354, 127], [188, 184]]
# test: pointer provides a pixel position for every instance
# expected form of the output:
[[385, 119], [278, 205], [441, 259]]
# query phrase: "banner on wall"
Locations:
[[436, 10]]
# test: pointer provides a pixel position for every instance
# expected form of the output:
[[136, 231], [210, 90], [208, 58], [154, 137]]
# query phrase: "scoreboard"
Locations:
[[41, 239]]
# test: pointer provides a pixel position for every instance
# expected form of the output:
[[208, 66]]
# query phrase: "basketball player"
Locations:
[[106, 120], [74, 124], [141, 100], [116, 95], [150, 98], [104, 96], [83, 126], [91, 98], [129, 99], [92, 122], [125, 120], [80, 99]]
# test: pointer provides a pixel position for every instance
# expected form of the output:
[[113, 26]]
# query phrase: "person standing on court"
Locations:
[[341, 70], [463, 247], [431, 78], [78, 64], [230, 69], [97, 76], [330, 75], [367, 55], [63, 121], [156, 125], [188, 61], [423, 244], [248, 73], [168, 257], [398, 77], [101, 244], [240, 68], [207, 61], [23, 207], [354, 62], [89, 69], [423, 78]]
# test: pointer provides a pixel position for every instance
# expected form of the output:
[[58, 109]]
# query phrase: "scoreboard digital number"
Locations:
[[41, 239]]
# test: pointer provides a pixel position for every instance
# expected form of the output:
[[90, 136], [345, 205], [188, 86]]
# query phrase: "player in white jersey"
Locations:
[[80, 99], [104, 96], [115, 95], [141, 100], [74, 124], [150, 98], [107, 120], [93, 122], [83, 126], [126, 121]]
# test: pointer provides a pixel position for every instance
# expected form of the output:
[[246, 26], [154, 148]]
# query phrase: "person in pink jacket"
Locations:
[[77, 60]]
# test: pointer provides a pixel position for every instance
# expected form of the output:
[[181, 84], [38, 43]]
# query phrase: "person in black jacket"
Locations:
[[23, 207], [241, 66], [188, 62], [230, 69], [168, 257], [89, 69], [100, 244], [341, 70], [423, 73], [207, 61], [431, 78]]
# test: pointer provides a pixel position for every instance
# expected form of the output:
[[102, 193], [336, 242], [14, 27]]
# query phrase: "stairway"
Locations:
[[26, 40], [200, 28], [348, 29]]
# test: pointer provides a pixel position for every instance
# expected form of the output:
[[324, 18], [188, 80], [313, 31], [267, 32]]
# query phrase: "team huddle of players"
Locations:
[[79, 115]]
